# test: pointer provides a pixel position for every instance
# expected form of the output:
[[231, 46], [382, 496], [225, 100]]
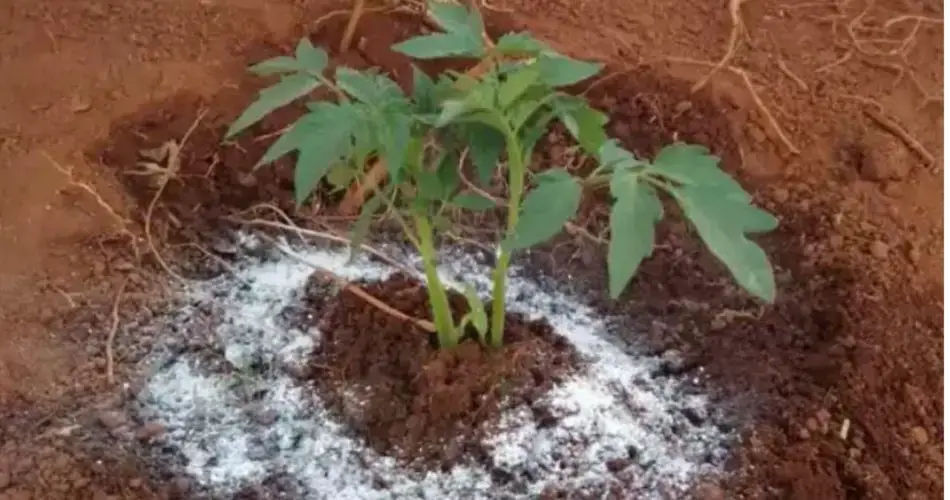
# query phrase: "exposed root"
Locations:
[[792, 76], [744, 76], [875, 111], [121, 222], [170, 154], [113, 328], [357, 13], [354, 289], [910, 141], [302, 233], [738, 28], [837, 62], [868, 48]]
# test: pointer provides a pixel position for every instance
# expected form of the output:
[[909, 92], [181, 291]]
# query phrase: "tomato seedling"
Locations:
[[496, 119]]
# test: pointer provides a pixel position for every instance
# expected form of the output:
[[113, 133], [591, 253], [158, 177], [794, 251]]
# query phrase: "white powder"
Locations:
[[613, 409]]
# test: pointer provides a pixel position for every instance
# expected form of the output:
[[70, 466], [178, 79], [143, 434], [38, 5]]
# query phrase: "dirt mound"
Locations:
[[424, 405], [837, 388]]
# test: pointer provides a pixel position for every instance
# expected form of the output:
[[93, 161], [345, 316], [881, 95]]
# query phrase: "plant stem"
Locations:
[[441, 311], [516, 174]]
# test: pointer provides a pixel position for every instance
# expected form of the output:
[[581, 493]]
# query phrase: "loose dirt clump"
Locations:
[[423, 405]]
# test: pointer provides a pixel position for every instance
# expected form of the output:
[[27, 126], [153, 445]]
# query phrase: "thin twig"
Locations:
[[428, 326], [113, 328], [288, 225]]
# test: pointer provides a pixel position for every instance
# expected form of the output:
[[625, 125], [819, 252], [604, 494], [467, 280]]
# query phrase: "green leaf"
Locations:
[[545, 211], [363, 222], [613, 155], [430, 186], [486, 145], [452, 110], [516, 84], [311, 58], [552, 175], [455, 18], [341, 175], [311, 167], [476, 311], [585, 123], [559, 71], [282, 93], [395, 136], [473, 201], [327, 139], [288, 141], [275, 65], [532, 101], [379, 91], [447, 170], [532, 133], [633, 217], [722, 223], [519, 44], [693, 165], [424, 92], [441, 223], [440, 45]]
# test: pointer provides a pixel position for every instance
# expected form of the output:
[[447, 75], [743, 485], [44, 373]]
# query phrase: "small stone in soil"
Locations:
[[150, 430], [710, 491], [919, 435], [879, 249], [112, 419], [695, 415]]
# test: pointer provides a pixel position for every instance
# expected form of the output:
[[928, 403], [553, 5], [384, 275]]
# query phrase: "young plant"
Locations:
[[499, 115]]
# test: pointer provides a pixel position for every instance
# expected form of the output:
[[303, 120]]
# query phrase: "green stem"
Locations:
[[516, 174], [441, 311]]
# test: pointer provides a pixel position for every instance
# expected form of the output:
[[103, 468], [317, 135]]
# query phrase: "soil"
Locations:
[[424, 405], [852, 348]]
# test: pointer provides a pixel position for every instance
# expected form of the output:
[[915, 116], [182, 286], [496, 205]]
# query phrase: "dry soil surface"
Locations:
[[837, 112]]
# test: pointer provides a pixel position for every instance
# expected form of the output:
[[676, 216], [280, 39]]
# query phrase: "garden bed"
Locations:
[[672, 374]]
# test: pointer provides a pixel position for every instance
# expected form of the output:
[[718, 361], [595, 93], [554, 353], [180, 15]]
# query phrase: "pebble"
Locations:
[[781, 195], [879, 249], [914, 255], [616, 465], [180, 486], [682, 107], [823, 417], [836, 241], [248, 180], [112, 419], [710, 491], [919, 435], [756, 134], [150, 431], [5, 480], [696, 415]]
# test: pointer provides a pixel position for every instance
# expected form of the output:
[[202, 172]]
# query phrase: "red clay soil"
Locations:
[[428, 406], [856, 334]]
